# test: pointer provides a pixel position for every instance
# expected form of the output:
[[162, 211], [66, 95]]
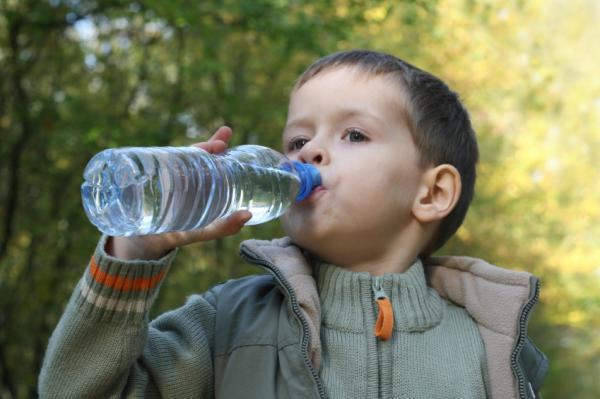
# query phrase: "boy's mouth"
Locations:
[[315, 193]]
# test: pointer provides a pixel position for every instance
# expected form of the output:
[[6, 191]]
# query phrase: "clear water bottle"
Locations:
[[149, 190]]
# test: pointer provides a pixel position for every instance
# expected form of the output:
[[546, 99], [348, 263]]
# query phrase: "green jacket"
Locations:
[[258, 336]]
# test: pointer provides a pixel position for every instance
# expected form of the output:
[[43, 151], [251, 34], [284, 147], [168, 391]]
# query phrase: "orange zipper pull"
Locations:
[[384, 326]]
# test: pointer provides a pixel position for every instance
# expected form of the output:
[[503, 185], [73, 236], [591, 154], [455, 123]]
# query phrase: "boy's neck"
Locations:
[[397, 258], [378, 267], [388, 252]]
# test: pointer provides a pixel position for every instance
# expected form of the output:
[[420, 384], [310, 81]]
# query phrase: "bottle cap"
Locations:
[[309, 177]]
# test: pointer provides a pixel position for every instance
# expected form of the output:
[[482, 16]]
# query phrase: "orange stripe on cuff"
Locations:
[[124, 283]]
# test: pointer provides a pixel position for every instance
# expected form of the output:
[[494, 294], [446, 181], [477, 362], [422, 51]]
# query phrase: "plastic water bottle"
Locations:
[[148, 190]]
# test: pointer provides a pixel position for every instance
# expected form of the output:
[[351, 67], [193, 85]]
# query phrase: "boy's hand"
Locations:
[[155, 246]]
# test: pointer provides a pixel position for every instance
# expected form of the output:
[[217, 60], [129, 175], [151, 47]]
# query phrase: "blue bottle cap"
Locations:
[[309, 177]]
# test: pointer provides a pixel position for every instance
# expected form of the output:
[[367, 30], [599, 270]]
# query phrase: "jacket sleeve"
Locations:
[[104, 345]]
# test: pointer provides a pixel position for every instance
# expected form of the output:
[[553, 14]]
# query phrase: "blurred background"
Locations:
[[78, 76]]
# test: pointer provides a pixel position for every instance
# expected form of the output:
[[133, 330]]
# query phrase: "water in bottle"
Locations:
[[148, 190]]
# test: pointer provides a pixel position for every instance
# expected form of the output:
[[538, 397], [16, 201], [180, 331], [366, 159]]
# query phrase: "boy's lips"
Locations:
[[315, 193]]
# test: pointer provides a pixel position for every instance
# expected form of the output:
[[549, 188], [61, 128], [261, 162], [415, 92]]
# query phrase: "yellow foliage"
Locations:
[[341, 10], [575, 317], [376, 14]]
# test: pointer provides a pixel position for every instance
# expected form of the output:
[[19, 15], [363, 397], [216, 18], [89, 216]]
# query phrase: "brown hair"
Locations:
[[439, 123]]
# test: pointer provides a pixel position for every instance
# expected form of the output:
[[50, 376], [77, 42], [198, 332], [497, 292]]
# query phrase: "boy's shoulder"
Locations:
[[500, 301], [480, 287], [247, 311], [243, 291], [285, 274], [477, 268]]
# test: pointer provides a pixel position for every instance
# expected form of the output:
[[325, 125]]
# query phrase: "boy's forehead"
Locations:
[[349, 92], [354, 74]]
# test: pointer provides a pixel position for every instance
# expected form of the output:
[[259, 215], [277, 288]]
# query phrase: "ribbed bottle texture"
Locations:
[[149, 190]]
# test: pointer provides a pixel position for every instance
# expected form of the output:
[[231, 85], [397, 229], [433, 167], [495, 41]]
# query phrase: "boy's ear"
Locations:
[[438, 194]]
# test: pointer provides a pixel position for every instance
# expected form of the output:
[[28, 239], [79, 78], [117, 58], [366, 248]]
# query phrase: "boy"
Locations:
[[348, 309]]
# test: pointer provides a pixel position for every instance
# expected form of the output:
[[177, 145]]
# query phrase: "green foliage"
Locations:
[[80, 76]]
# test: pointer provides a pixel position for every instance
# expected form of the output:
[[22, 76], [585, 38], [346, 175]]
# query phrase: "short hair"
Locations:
[[438, 122]]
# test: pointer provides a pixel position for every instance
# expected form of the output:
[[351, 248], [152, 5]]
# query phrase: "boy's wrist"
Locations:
[[122, 287], [132, 248]]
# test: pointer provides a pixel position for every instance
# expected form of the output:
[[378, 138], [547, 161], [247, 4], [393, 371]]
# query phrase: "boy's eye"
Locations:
[[297, 144], [356, 136]]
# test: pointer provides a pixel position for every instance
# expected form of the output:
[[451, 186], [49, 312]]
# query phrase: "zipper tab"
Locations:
[[384, 325], [378, 292]]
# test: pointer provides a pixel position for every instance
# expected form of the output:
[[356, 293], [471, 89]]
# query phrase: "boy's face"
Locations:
[[351, 127]]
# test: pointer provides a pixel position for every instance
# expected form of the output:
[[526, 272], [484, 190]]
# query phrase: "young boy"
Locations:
[[353, 305]]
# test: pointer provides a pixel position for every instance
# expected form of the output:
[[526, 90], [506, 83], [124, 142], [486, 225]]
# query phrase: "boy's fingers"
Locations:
[[233, 223], [221, 228], [223, 133], [218, 142], [214, 147]]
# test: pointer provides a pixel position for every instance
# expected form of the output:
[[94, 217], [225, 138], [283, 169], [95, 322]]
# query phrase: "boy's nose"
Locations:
[[314, 154]]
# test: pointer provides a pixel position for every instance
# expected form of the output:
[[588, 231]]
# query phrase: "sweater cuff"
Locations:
[[115, 288]]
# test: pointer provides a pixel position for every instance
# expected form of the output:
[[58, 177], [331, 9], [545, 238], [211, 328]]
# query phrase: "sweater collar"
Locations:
[[346, 297]]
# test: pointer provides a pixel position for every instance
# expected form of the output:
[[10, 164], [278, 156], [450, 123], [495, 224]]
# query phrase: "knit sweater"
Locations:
[[104, 347], [435, 350]]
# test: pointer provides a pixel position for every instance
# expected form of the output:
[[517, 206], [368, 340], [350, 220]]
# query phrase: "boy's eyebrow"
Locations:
[[340, 115], [298, 123], [350, 113]]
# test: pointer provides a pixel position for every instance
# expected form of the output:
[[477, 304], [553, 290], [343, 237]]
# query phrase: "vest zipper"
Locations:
[[377, 287], [274, 270], [522, 335]]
